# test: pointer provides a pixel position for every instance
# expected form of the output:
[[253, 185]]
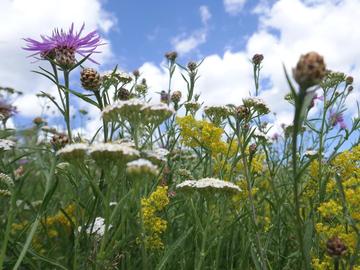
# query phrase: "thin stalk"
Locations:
[[67, 104]]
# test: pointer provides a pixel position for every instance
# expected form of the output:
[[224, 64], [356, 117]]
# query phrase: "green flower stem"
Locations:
[[299, 103], [252, 204], [11, 215], [67, 104]]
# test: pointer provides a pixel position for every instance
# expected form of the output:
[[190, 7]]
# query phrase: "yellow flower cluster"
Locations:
[[330, 208], [347, 166], [154, 226], [60, 218], [200, 133]]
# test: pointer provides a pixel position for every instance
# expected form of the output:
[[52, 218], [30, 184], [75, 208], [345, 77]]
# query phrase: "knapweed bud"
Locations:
[[136, 73], [350, 88], [310, 70], [123, 94], [349, 80], [252, 148], [335, 247], [90, 79], [192, 65], [65, 57], [175, 97], [171, 56], [164, 96], [58, 141], [257, 59], [38, 121], [242, 112]]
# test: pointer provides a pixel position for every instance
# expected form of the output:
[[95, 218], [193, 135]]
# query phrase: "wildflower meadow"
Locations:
[[173, 183]]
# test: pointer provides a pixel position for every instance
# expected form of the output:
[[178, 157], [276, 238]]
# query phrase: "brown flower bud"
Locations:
[[349, 80], [350, 88], [164, 97], [176, 96], [90, 79], [257, 59], [39, 121], [335, 247], [310, 70], [136, 73], [242, 112], [192, 65], [123, 94], [58, 141], [171, 56]]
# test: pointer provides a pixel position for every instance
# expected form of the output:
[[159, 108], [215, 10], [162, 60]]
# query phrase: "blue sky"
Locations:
[[226, 33], [145, 28]]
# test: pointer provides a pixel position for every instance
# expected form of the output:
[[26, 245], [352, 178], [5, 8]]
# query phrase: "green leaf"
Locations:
[[82, 96], [171, 250]]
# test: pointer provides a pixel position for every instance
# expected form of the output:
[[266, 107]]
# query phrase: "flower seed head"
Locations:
[[176, 96], [257, 59], [192, 65], [171, 56], [90, 79], [310, 70]]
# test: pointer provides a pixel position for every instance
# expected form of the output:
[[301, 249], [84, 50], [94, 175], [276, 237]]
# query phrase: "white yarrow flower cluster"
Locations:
[[126, 109], [116, 152], [158, 155], [141, 166], [6, 144], [98, 228], [208, 184], [75, 150]]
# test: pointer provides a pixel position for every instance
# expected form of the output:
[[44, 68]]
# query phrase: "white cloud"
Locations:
[[205, 14], [287, 29], [233, 7], [184, 43], [30, 19]]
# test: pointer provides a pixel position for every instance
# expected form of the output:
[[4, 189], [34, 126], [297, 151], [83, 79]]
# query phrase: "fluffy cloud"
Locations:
[[184, 43], [30, 19], [233, 7], [287, 29]]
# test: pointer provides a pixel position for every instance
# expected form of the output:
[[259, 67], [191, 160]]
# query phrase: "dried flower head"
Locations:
[[123, 94], [310, 70], [136, 73], [62, 46]]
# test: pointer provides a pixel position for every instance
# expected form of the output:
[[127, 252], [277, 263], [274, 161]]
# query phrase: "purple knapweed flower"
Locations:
[[62, 46], [337, 118]]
